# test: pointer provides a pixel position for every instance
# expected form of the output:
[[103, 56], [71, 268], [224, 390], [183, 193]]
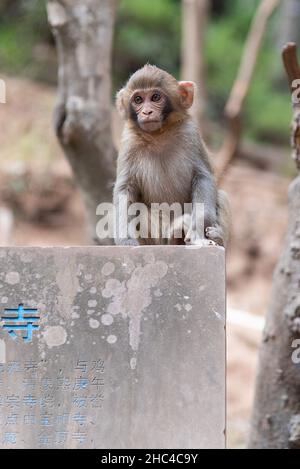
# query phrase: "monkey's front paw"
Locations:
[[194, 240], [214, 233], [129, 242]]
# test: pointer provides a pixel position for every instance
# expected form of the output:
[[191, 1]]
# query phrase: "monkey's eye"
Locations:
[[156, 97], [138, 100]]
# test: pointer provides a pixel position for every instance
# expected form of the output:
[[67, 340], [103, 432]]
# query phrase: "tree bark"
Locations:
[[276, 415], [83, 30], [194, 21]]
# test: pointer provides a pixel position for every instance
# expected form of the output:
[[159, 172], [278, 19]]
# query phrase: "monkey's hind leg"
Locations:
[[215, 234]]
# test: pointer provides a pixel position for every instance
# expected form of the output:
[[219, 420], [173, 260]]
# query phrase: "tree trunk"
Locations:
[[194, 21], [289, 30], [276, 416], [83, 30]]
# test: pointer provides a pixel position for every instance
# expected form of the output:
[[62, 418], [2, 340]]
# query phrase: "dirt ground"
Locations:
[[41, 206]]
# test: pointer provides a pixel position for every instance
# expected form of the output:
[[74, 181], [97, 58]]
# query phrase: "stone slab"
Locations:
[[130, 350]]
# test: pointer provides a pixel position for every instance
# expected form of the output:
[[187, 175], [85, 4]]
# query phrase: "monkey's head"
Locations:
[[152, 98]]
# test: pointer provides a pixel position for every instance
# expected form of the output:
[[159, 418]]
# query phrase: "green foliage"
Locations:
[[23, 26], [147, 31], [267, 110]]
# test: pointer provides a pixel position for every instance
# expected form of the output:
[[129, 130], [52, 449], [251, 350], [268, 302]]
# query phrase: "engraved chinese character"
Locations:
[[29, 383], [62, 419], [47, 383], [80, 383], [98, 365], [80, 401], [31, 366], [30, 400], [46, 420], [97, 382], [96, 400], [12, 419], [10, 438], [81, 365], [63, 383], [29, 419], [80, 419], [44, 440], [12, 401], [47, 401], [80, 437], [13, 367], [61, 438], [20, 320]]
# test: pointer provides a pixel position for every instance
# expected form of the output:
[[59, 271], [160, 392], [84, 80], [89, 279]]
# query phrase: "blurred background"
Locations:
[[40, 203]]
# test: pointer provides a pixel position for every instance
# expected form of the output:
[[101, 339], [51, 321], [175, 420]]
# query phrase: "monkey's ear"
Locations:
[[120, 102], [187, 91]]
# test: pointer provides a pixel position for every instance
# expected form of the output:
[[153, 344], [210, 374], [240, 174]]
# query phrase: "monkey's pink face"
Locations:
[[150, 108]]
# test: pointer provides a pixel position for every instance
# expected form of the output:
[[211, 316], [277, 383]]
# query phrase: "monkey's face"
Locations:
[[153, 100], [149, 108]]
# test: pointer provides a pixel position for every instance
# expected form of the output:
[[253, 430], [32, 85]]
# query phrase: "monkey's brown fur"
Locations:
[[163, 157]]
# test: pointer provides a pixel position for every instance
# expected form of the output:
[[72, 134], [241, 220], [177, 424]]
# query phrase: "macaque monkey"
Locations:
[[163, 159]]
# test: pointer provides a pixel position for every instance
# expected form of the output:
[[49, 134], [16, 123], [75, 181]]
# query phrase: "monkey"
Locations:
[[163, 158]]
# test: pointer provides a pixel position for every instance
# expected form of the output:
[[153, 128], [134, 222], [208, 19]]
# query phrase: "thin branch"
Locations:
[[290, 61], [234, 106]]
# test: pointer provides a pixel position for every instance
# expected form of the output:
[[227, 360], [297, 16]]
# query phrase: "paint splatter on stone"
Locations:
[[67, 283], [113, 287], [92, 303], [12, 278], [94, 324], [54, 336], [111, 339], [133, 363], [107, 319], [108, 269], [131, 298]]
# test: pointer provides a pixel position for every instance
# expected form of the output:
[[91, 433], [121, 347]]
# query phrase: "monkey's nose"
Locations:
[[147, 112]]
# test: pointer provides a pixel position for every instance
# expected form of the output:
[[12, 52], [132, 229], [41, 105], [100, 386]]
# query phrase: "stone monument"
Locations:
[[111, 347]]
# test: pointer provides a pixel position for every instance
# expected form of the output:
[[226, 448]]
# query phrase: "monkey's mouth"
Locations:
[[150, 125]]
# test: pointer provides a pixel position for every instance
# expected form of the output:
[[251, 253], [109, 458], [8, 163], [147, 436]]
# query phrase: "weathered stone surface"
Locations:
[[130, 352]]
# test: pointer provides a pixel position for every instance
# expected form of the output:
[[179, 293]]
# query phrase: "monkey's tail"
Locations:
[[224, 215]]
